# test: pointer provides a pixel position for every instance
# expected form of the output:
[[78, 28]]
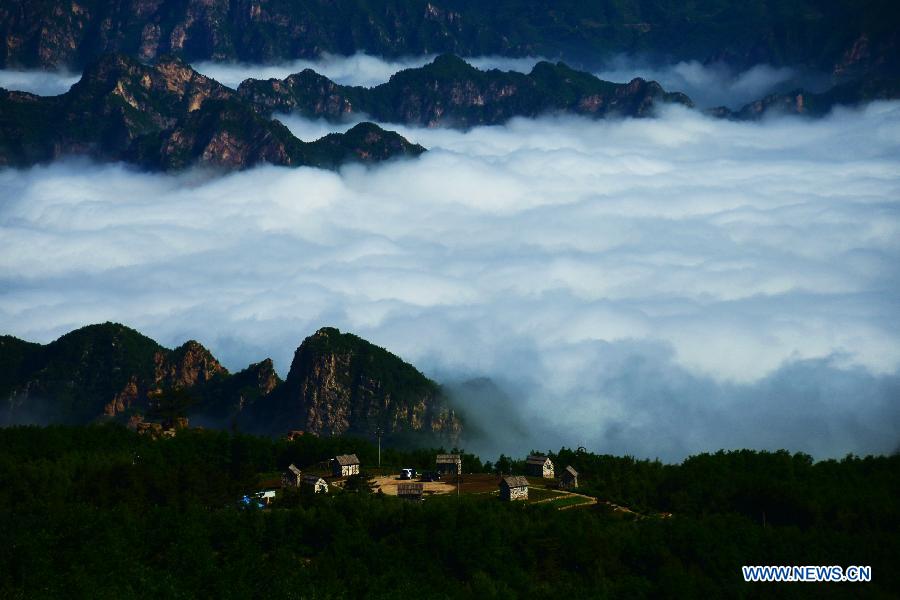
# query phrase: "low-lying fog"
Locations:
[[656, 287]]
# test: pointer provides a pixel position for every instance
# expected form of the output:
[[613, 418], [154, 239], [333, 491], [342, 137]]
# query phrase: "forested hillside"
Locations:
[[103, 512]]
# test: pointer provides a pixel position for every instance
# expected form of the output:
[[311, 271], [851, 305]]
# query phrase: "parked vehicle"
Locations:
[[407, 473], [260, 499], [430, 476]]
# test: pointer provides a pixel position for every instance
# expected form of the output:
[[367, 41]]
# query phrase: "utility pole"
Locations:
[[379, 432]]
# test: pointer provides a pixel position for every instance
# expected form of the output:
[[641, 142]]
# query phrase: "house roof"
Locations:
[[410, 489], [448, 459], [536, 459], [514, 481], [312, 479], [346, 459], [293, 469], [571, 471]]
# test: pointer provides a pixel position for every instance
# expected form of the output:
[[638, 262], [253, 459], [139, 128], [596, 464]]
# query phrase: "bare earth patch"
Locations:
[[388, 485]]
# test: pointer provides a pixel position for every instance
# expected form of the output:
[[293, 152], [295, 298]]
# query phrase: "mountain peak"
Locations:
[[340, 383], [167, 116], [449, 63], [106, 331]]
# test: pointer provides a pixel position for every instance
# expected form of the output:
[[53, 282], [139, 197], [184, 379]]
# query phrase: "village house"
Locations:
[[538, 465], [291, 477], [345, 465], [514, 487], [410, 491], [266, 496], [569, 479], [315, 484], [449, 464]]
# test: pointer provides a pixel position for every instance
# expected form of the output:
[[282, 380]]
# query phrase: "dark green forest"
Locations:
[[101, 512]]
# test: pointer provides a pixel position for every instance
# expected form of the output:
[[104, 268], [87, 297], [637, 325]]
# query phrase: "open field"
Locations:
[[387, 484], [538, 494], [540, 491]]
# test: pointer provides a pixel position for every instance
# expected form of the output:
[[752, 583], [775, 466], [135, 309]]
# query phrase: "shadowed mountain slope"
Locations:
[[847, 38], [449, 91], [168, 116]]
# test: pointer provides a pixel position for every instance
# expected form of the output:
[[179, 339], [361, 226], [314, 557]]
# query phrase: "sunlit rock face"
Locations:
[[341, 384]]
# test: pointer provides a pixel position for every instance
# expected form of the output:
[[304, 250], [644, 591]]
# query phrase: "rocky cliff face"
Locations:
[[842, 36], [107, 371], [341, 384], [338, 383], [163, 116], [451, 92], [190, 366], [804, 103]]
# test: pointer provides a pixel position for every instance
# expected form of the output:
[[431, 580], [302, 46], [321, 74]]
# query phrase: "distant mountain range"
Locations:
[[803, 102], [338, 384], [846, 38], [451, 92], [167, 116]]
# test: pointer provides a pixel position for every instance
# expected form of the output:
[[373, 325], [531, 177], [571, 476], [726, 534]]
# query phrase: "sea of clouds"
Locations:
[[657, 287], [711, 85]]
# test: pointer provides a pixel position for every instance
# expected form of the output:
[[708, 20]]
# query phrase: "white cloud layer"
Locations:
[[359, 69], [712, 85], [42, 83], [658, 287]]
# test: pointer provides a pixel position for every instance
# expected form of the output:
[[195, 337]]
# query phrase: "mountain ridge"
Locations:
[[167, 116], [802, 102], [338, 384], [450, 92]]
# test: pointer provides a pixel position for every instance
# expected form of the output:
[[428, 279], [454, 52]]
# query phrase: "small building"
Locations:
[[513, 487], [568, 480], [449, 464], [291, 477], [315, 484], [345, 465], [538, 465], [410, 491]]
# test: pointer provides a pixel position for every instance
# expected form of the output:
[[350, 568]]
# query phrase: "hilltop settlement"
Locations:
[[407, 483]]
